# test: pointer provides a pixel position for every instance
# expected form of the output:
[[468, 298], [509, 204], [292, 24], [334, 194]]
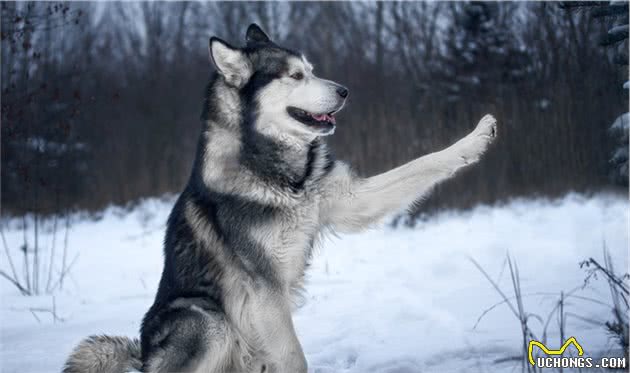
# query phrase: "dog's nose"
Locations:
[[342, 91]]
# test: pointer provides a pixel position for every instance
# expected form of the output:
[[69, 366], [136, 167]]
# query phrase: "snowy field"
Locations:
[[390, 300]]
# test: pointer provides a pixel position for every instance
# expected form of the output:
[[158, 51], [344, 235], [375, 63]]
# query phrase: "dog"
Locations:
[[263, 190]]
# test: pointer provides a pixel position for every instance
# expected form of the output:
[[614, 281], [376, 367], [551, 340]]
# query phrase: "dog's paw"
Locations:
[[487, 127], [475, 144]]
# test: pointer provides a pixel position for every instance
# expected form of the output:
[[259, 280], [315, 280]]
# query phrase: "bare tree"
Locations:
[[107, 110]]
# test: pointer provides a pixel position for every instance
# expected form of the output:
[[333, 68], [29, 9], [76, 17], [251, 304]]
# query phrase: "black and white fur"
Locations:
[[263, 190]]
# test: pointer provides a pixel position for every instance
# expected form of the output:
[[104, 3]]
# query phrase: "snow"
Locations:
[[389, 300], [42, 145], [543, 103], [618, 29], [619, 158], [621, 123]]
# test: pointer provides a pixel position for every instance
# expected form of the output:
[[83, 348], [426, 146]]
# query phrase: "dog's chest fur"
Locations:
[[289, 238], [270, 201]]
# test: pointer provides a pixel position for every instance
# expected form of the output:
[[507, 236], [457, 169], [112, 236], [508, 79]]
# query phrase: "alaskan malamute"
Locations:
[[262, 192]]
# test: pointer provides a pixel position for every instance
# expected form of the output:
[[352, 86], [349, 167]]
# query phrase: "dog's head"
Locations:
[[278, 86]]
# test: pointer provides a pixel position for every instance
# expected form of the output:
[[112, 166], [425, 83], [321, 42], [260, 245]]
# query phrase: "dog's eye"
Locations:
[[297, 76]]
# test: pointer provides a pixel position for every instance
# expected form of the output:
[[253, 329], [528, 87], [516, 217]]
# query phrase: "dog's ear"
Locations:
[[255, 35], [232, 63]]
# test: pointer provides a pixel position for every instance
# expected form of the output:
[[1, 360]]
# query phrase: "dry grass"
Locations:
[[566, 306]]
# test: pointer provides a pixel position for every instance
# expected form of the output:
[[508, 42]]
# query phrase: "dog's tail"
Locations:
[[105, 354]]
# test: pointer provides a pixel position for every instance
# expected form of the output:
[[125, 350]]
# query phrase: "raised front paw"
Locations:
[[475, 144], [487, 127]]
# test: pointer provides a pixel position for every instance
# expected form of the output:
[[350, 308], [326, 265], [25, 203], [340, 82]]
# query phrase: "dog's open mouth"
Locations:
[[320, 121]]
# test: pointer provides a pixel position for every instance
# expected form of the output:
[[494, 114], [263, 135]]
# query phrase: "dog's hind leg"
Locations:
[[191, 340]]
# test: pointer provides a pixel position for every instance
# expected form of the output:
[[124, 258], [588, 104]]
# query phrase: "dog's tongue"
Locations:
[[324, 117]]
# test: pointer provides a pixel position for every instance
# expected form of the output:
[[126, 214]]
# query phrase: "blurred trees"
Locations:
[[615, 39], [101, 101], [480, 47], [40, 104]]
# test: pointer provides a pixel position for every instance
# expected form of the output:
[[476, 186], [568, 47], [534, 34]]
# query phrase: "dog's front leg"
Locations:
[[282, 352], [352, 204]]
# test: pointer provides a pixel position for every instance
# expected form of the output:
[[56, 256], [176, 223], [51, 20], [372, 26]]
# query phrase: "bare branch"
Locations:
[[8, 254], [15, 282]]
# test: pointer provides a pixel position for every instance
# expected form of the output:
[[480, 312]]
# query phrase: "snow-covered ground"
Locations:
[[389, 300]]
